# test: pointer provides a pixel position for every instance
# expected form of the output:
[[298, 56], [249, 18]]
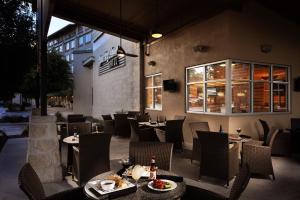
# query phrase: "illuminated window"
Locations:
[[80, 41], [154, 92], [250, 88], [88, 38], [67, 46], [72, 44]]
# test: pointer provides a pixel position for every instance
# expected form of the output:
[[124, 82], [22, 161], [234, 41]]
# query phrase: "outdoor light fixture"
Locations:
[[155, 33], [120, 50]]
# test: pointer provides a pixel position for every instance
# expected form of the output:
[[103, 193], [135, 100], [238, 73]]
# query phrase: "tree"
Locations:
[[59, 78], [17, 45]]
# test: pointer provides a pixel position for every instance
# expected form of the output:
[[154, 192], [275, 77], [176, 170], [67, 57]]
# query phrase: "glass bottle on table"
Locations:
[[153, 169]]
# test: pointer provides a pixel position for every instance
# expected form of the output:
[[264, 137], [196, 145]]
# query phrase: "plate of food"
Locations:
[[162, 185], [146, 172], [110, 184]]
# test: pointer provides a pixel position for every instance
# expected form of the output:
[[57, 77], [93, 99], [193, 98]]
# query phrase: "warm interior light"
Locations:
[[240, 94], [156, 35], [220, 94]]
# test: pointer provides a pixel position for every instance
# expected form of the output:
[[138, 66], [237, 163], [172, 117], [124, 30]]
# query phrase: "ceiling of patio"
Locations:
[[139, 16]]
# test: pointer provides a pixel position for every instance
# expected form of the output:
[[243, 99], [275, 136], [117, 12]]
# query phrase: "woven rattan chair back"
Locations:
[[75, 118], [109, 127], [240, 183], [141, 153], [134, 130], [80, 127], [30, 183], [106, 117], [122, 126], [198, 126]]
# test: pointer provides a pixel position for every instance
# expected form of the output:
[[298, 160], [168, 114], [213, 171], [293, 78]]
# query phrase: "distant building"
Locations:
[[74, 42]]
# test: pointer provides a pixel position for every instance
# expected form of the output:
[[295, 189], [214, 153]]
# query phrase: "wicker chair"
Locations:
[[92, 156], [174, 133], [75, 118], [109, 127], [258, 156], [31, 185], [295, 134], [141, 134], [106, 117], [141, 153], [197, 126], [133, 114], [80, 127], [143, 117], [282, 142], [122, 126], [217, 159], [240, 183]]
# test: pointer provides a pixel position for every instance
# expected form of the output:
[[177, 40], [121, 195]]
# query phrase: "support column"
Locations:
[[142, 81]]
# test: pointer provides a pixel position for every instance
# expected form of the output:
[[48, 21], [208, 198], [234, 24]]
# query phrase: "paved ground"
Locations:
[[286, 185]]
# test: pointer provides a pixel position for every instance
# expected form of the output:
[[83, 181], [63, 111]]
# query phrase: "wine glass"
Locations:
[[239, 130], [136, 173]]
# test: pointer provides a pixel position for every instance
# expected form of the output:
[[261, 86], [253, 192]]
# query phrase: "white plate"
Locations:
[[173, 185], [94, 184]]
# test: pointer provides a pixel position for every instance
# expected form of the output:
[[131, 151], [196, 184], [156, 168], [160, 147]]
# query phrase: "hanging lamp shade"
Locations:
[[156, 34], [120, 52]]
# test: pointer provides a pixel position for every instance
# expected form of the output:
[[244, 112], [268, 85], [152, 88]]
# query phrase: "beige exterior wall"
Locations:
[[82, 92], [231, 34], [118, 89]]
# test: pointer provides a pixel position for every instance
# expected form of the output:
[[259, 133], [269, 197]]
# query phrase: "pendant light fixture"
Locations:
[[120, 50], [155, 33]]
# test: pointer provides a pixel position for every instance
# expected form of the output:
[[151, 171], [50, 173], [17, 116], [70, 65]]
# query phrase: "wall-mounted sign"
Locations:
[[110, 61]]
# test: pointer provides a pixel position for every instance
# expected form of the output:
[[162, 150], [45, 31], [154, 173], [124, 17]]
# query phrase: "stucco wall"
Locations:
[[82, 100], [230, 34], [118, 89]]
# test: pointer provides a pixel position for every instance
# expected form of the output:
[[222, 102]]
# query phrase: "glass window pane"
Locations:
[[73, 44], [149, 98], [81, 41], [240, 97], [261, 72], [157, 80], [280, 74], [215, 93], [195, 74], [240, 71], [149, 81], [195, 97], [157, 98], [215, 71], [261, 97], [88, 37], [280, 94]]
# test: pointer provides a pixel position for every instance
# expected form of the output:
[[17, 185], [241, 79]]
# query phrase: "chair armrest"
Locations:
[[233, 160], [255, 142], [257, 148]]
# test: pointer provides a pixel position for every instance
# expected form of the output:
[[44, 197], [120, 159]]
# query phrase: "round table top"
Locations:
[[143, 191], [71, 140], [153, 124]]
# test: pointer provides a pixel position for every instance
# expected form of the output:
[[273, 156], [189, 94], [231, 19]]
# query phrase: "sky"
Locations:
[[56, 24]]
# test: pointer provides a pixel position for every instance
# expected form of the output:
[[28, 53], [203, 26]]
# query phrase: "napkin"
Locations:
[[170, 177]]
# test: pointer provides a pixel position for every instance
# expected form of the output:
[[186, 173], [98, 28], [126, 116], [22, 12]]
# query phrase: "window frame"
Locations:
[[152, 89], [228, 88]]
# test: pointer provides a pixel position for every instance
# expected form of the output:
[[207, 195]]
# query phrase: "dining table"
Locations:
[[153, 124], [143, 191]]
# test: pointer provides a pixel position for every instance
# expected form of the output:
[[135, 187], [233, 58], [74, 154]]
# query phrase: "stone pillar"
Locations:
[[43, 148]]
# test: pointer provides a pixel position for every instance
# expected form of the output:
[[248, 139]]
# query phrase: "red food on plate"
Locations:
[[160, 184]]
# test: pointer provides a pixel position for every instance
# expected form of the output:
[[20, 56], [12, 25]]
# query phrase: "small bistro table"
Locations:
[[71, 140], [155, 125], [143, 192]]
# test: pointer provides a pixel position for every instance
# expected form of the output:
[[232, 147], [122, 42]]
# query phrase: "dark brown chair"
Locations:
[[197, 126], [106, 117], [143, 117], [174, 133], [258, 156], [295, 135], [141, 152], [80, 127], [133, 114], [92, 156], [240, 183], [122, 126], [109, 127], [141, 134], [31, 185], [282, 142], [217, 158], [75, 118]]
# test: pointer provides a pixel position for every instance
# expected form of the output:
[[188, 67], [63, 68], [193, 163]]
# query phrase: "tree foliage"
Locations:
[[17, 45], [59, 78]]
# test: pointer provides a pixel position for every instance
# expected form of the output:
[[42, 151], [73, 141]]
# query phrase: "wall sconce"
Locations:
[[201, 48], [266, 48], [152, 63]]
